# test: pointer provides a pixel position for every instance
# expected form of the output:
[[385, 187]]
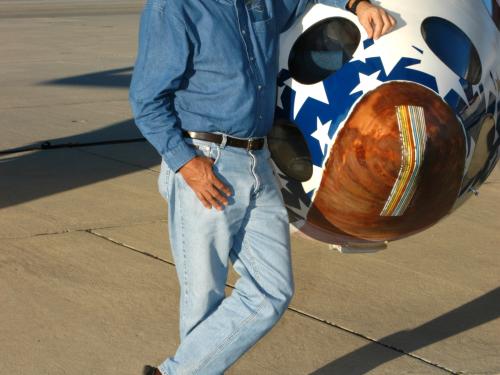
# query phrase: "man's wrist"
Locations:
[[352, 5], [179, 155]]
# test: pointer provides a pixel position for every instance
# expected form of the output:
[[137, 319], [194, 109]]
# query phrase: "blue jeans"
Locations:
[[252, 231]]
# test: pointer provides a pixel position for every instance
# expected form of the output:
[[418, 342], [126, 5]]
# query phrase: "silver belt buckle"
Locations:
[[251, 142]]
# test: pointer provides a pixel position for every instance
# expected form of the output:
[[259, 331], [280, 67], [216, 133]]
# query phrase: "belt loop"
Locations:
[[224, 141]]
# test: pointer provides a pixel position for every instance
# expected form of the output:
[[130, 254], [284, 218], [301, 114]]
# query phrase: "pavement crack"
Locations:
[[65, 231], [372, 340], [297, 311], [100, 235]]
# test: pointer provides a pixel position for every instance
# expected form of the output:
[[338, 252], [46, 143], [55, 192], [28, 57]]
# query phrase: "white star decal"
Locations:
[[303, 92], [300, 211], [315, 180], [446, 79], [384, 49], [321, 134], [475, 89], [279, 102], [360, 54], [367, 83]]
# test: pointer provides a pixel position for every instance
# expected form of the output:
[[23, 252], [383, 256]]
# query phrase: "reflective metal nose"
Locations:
[[396, 166]]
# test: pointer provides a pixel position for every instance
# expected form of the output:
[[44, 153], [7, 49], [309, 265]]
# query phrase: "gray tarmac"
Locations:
[[87, 282]]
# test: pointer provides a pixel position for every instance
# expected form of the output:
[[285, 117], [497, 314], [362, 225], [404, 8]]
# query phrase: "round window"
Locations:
[[323, 49], [453, 47]]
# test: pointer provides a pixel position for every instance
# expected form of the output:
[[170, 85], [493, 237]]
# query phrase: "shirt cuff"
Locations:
[[178, 156]]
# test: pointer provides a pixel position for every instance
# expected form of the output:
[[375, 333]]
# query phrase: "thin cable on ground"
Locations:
[[47, 145]]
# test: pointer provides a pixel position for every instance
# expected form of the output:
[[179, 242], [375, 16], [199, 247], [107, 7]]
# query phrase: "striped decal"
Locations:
[[412, 129]]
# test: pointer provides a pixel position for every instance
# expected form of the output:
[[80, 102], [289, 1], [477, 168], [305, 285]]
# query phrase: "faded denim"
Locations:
[[253, 233]]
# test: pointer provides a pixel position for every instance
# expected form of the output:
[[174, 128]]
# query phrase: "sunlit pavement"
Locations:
[[87, 283]]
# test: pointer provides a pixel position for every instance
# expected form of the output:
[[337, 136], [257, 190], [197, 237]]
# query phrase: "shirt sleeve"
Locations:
[[163, 53], [288, 11]]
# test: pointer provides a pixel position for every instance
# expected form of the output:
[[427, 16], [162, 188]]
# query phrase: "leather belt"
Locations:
[[249, 144]]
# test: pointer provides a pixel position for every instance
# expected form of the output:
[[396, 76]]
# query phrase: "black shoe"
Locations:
[[148, 370]]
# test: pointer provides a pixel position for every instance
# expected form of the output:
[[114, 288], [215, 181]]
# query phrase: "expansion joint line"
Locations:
[[367, 338], [97, 234], [297, 311]]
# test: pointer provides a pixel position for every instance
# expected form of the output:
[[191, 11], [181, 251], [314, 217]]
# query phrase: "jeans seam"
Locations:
[[184, 264], [166, 181], [228, 338], [217, 152], [251, 258]]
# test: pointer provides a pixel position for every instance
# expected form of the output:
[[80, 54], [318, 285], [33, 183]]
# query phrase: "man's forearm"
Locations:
[[162, 57]]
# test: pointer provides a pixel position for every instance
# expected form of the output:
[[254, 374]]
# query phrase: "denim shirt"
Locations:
[[208, 66]]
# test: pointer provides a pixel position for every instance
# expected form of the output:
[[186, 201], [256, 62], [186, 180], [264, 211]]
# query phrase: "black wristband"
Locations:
[[352, 8]]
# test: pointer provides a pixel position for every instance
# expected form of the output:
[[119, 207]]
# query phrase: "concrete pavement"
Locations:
[[87, 283]]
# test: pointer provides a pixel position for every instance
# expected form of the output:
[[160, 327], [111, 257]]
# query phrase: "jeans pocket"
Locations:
[[207, 149], [216, 153], [163, 180]]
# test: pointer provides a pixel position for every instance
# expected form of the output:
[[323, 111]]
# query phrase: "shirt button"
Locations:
[[260, 117], [252, 58], [243, 31], [259, 87]]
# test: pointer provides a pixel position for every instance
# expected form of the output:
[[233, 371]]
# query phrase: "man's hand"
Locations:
[[199, 175], [374, 19]]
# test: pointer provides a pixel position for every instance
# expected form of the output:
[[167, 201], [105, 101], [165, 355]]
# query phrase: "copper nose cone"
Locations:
[[395, 168]]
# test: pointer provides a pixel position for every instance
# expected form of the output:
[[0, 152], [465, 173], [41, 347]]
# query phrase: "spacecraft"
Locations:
[[375, 140]]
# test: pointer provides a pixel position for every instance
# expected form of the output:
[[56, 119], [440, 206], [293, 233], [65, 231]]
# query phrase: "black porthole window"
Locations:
[[323, 49], [453, 48]]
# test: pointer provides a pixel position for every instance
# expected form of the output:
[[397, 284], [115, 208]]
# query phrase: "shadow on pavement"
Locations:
[[119, 78], [479, 311], [32, 175], [43, 172]]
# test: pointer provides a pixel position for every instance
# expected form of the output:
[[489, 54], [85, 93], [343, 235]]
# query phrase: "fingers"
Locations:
[[203, 200], [387, 23], [378, 22], [219, 185], [368, 26], [216, 191], [393, 21], [212, 192], [210, 198], [200, 177], [212, 202], [216, 198]]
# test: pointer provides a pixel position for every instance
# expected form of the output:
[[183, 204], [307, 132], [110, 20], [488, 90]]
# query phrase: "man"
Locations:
[[203, 94]]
